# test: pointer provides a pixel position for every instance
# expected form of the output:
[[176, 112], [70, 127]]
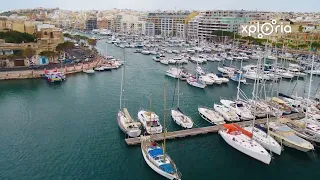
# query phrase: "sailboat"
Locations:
[[178, 115], [155, 155], [240, 139], [126, 123]]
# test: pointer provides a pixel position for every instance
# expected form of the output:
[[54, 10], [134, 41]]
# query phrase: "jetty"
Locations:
[[205, 130]]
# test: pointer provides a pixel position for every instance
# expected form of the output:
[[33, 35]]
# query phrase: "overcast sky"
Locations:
[[269, 5]]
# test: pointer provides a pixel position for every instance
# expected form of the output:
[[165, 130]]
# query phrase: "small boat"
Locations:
[[150, 122], [239, 107], [164, 61], [210, 115], [181, 119], [173, 72], [206, 79], [145, 52], [241, 140], [285, 135], [99, 69], [227, 113], [193, 81], [156, 58], [138, 51], [89, 71], [127, 124]]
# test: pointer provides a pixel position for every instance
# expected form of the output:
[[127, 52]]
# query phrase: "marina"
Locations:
[[203, 130], [88, 105]]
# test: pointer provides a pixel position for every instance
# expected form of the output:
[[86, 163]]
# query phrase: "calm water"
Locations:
[[69, 130]]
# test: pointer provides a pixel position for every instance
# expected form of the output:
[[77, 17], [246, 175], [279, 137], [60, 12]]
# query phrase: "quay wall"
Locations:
[[29, 74]]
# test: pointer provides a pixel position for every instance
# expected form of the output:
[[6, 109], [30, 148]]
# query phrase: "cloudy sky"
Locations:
[[270, 5]]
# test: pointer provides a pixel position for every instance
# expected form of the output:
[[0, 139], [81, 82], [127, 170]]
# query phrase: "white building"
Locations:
[[181, 30], [166, 27], [131, 24], [192, 30], [149, 29]]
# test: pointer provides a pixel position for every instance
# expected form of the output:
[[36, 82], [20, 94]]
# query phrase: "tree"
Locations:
[[28, 53], [64, 47], [17, 37], [50, 54], [300, 28], [92, 42]]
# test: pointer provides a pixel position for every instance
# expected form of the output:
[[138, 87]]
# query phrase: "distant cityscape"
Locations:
[[48, 25]]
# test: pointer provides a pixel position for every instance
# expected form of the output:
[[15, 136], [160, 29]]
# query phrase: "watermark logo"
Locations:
[[265, 29]]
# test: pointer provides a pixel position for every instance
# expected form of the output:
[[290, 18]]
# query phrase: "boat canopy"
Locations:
[[156, 152], [286, 96], [167, 168], [280, 101], [235, 127]]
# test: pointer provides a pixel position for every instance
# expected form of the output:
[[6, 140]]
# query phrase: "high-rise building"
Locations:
[[91, 24]]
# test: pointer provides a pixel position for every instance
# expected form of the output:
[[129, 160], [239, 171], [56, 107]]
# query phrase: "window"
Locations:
[[45, 33]]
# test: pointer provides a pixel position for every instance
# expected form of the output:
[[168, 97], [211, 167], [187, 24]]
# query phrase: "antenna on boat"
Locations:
[[164, 122]]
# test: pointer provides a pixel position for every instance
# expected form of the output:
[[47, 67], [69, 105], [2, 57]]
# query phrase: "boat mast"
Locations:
[[178, 79], [239, 80], [309, 90], [164, 123], [122, 77]]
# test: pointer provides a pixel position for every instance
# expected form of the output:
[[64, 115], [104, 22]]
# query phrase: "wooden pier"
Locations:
[[204, 130]]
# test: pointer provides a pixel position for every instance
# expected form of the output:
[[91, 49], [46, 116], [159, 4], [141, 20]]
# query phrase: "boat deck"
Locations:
[[204, 130]]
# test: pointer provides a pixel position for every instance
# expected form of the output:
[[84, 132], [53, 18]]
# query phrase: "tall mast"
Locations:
[[164, 123], [239, 80], [309, 90], [178, 103], [122, 78]]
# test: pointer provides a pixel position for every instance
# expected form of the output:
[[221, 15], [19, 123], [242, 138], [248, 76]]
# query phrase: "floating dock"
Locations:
[[205, 130]]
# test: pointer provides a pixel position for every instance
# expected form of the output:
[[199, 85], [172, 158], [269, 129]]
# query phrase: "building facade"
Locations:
[[170, 19], [91, 24], [149, 29]]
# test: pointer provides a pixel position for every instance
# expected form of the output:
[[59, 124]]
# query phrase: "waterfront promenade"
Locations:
[[37, 73]]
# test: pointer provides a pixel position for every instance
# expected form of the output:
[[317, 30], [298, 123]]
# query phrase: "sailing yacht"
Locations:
[[194, 81], [126, 123], [178, 115], [240, 139], [173, 72], [155, 155], [158, 160], [210, 115], [264, 139]]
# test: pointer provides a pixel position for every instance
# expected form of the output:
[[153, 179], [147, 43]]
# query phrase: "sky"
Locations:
[[260, 5]]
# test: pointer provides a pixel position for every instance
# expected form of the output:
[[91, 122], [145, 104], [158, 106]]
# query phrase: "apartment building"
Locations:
[[91, 24], [168, 24], [181, 30], [220, 20], [149, 29]]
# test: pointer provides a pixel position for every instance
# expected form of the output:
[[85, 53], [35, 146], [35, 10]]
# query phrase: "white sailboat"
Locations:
[[178, 115], [240, 139], [156, 157], [126, 123]]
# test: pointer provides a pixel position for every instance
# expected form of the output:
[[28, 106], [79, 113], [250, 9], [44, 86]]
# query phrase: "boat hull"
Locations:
[[134, 133], [265, 159]]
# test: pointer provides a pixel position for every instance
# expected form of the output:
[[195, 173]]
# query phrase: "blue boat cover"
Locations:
[[155, 152], [167, 168]]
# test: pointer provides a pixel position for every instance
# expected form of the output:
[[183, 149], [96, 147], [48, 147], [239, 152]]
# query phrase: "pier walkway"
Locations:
[[204, 130]]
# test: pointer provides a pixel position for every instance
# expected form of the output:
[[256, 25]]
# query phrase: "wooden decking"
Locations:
[[202, 130]]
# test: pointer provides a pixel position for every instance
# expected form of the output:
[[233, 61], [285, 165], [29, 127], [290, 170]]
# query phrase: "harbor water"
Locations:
[[69, 130]]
